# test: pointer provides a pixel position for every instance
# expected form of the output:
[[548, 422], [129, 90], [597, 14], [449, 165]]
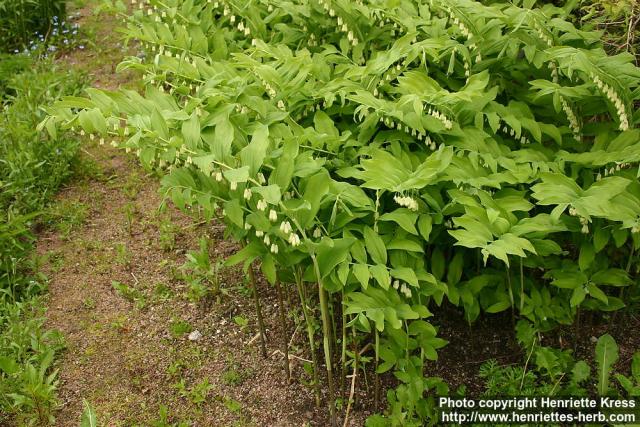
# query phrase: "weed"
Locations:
[[130, 212], [168, 232], [89, 303], [123, 255], [178, 328], [201, 275], [162, 292], [241, 321], [130, 293], [66, 216]]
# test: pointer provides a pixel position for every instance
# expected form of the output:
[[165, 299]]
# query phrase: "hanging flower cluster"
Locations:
[[270, 90], [403, 288], [464, 30], [542, 33], [391, 123], [583, 221], [613, 97], [341, 24], [508, 130], [406, 201], [432, 111], [610, 171], [573, 120]]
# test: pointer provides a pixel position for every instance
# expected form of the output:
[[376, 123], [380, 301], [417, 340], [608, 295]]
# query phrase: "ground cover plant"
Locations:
[[380, 159], [32, 168]]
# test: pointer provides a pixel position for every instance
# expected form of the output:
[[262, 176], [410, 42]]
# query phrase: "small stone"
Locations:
[[195, 335]]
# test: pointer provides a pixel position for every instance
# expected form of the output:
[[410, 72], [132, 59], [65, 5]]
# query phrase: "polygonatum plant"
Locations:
[[396, 155]]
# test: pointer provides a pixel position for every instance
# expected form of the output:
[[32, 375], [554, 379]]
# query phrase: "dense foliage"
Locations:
[[396, 155], [23, 20], [32, 167]]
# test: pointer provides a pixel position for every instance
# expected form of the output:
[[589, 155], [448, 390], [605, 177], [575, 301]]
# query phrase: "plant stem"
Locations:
[[310, 336], [326, 332], [521, 287], [283, 325], [256, 301], [343, 355], [353, 382], [513, 313], [376, 379]]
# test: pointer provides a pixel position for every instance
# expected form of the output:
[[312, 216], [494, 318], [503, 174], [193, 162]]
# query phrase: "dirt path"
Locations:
[[123, 305]]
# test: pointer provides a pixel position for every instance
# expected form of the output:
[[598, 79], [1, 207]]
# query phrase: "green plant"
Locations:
[[89, 417], [130, 212], [130, 293], [197, 394], [178, 328], [424, 153], [202, 276], [241, 321], [168, 233], [32, 167], [123, 255]]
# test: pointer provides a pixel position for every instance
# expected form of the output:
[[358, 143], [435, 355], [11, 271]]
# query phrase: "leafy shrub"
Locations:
[[20, 19], [396, 157]]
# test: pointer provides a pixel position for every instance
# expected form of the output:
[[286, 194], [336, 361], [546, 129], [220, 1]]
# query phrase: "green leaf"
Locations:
[[606, 357], [234, 212], [404, 218], [8, 365], [403, 244], [254, 153], [597, 293], [285, 166], [587, 255], [437, 264], [612, 277], [268, 268], [375, 246], [316, 187], [577, 296], [223, 138], [159, 124], [89, 418], [405, 274], [270, 193], [600, 238], [332, 252], [237, 175], [454, 272], [381, 274], [425, 224], [498, 306], [191, 131], [361, 273], [246, 254]]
